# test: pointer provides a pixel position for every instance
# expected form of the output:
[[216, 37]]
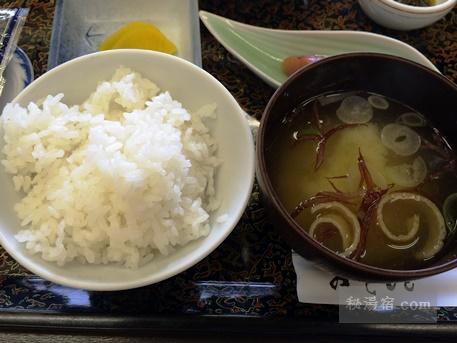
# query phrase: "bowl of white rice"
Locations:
[[120, 169]]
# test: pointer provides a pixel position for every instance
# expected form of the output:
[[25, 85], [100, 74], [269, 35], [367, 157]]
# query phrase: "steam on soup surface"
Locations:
[[367, 177]]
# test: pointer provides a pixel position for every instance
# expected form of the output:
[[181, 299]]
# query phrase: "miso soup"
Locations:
[[367, 177]]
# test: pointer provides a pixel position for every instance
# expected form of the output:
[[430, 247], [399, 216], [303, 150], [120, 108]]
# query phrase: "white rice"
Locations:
[[127, 174]]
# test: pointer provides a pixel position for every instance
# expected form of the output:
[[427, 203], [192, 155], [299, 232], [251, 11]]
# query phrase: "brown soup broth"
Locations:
[[292, 166]]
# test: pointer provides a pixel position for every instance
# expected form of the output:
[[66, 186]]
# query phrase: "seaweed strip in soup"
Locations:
[[367, 177]]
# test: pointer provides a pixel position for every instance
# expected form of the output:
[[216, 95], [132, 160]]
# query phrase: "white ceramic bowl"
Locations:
[[395, 15], [188, 84]]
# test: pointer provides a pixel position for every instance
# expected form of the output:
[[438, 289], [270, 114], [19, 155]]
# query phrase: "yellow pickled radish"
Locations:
[[138, 35]]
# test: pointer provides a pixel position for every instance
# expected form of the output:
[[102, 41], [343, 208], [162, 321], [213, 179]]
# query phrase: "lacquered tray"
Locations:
[[248, 284]]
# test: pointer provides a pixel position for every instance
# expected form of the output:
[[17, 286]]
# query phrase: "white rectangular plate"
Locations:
[[80, 25]]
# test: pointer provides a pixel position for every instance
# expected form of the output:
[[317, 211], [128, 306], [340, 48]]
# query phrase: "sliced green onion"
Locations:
[[412, 119], [305, 132], [378, 102], [355, 110], [400, 139], [408, 175]]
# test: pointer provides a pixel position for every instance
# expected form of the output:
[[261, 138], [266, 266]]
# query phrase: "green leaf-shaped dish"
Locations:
[[262, 50]]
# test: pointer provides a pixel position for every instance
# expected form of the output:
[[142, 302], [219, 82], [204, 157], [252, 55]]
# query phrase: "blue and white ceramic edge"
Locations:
[[18, 75], [26, 65]]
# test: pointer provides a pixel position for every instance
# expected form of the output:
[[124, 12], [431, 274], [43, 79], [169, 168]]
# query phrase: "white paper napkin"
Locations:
[[315, 285]]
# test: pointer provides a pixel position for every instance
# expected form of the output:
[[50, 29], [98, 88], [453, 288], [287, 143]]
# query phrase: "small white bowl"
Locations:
[[193, 87], [395, 15]]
